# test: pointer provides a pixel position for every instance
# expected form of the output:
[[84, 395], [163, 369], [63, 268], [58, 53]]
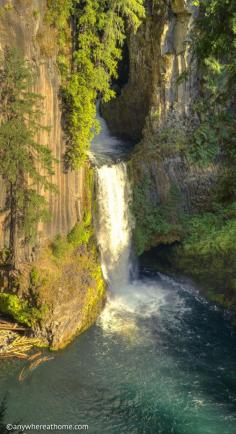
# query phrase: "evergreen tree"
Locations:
[[25, 164], [214, 42]]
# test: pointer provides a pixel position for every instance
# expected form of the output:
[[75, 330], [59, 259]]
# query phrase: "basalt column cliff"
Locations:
[[59, 289]]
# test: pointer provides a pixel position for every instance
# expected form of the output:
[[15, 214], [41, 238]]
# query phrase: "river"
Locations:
[[160, 359]]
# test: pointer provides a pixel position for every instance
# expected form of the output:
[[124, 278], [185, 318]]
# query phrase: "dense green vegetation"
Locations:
[[25, 164], [214, 44], [99, 31], [155, 225], [208, 253], [20, 310], [80, 235], [208, 249]]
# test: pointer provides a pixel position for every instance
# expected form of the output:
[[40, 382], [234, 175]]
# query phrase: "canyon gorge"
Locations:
[[132, 272]]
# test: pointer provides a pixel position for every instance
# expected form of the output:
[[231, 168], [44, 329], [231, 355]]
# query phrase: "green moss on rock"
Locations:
[[62, 294], [67, 277], [20, 310], [157, 222], [208, 254]]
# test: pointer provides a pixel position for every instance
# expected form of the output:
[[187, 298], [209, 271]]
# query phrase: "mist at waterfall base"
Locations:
[[160, 360]]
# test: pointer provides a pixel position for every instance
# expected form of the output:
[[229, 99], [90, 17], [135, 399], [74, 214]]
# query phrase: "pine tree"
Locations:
[[25, 164]]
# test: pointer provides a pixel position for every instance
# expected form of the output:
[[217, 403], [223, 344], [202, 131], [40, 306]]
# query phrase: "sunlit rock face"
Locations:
[[22, 25], [181, 6], [71, 296], [176, 57]]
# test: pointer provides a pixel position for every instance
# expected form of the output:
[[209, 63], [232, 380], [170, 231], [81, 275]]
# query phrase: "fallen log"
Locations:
[[13, 343]]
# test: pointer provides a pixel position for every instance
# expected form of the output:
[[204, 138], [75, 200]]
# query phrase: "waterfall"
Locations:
[[115, 223], [130, 298]]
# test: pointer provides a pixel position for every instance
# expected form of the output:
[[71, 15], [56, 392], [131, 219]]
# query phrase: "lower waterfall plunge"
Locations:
[[114, 227], [115, 223]]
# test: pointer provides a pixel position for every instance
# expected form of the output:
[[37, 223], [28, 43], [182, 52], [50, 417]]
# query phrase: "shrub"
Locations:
[[35, 277], [81, 232], [18, 309], [60, 247]]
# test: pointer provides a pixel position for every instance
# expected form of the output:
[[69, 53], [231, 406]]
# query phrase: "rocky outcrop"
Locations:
[[127, 113], [159, 56], [62, 294], [69, 291]]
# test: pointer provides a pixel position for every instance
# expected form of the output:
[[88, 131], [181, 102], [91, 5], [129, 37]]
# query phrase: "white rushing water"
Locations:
[[115, 223], [114, 220], [104, 144], [129, 297]]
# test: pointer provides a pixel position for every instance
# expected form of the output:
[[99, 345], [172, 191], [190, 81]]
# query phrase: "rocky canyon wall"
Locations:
[[159, 54], [59, 289], [154, 108], [183, 181], [22, 26]]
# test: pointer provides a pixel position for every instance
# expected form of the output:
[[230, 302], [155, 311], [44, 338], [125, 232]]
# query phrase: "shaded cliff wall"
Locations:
[[127, 113], [181, 224], [154, 109], [22, 25], [159, 54]]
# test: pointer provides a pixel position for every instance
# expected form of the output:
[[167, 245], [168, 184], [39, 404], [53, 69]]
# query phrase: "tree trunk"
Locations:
[[13, 228]]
